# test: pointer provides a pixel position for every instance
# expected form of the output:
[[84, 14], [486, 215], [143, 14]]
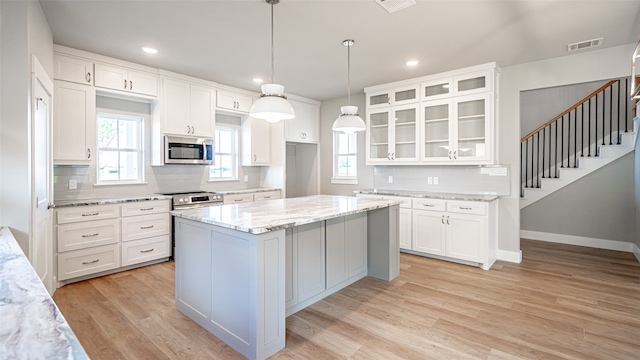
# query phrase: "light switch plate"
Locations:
[[73, 184], [501, 171], [390, 179], [430, 180], [246, 178], [435, 180]]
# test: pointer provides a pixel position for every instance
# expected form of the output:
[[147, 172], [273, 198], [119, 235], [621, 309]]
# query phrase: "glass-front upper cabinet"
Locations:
[[392, 134], [436, 89], [473, 83], [397, 96], [437, 120], [472, 127]]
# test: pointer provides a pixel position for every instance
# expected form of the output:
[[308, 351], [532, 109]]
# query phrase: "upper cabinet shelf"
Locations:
[[445, 119]]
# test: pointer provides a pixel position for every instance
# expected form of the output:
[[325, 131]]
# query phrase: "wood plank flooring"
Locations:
[[561, 302]]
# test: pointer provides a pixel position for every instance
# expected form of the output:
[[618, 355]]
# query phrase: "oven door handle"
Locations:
[[195, 206]]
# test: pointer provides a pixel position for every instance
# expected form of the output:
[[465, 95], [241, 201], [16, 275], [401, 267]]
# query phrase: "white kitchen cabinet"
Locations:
[[473, 83], [396, 96], [119, 78], [88, 261], [457, 130], [146, 249], [256, 142], [429, 232], [85, 234], [73, 69], [188, 109], [238, 198], [436, 89], [305, 126], [237, 102], [392, 135], [73, 123], [267, 195]]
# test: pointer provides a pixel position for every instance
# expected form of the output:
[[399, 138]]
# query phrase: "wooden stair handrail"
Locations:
[[585, 99]]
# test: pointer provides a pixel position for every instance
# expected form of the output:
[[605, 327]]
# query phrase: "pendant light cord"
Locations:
[[348, 74], [273, 81]]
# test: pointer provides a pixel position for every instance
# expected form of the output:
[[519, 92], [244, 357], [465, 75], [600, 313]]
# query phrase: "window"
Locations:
[[345, 154], [225, 155], [120, 149]]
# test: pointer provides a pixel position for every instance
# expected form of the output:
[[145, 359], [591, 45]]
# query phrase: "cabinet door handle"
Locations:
[[90, 235], [146, 251], [130, 85], [146, 227], [88, 77], [389, 100], [91, 214], [125, 84], [88, 153], [442, 219], [450, 155], [455, 154], [90, 262], [448, 220], [146, 209], [255, 157]]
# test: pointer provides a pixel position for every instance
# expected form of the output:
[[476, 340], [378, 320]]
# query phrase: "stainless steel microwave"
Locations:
[[188, 150]]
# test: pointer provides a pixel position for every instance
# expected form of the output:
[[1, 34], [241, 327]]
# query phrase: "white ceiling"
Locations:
[[228, 41]]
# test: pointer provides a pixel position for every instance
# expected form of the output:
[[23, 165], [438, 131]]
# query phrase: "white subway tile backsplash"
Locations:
[[451, 179]]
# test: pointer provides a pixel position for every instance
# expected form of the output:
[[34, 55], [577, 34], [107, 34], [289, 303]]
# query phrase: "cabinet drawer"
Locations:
[[86, 213], [266, 195], [430, 204], [475, 208], [238, 198], [86, 234], [88, 261], [405, 202], [134, 252], [144, 226], [145, 207]]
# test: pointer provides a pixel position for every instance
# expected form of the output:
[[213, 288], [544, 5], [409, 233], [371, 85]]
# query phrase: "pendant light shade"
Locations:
[[349, 121], [272, 105]]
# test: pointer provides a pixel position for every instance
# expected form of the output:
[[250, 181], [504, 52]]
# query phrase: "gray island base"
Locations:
[[242, 269]]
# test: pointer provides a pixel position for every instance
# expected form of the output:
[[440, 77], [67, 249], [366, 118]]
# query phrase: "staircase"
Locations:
[[587, 136]]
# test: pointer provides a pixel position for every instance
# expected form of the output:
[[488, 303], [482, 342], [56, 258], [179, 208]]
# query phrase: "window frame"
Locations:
[[342, 179], [235, 154], [140, 150]]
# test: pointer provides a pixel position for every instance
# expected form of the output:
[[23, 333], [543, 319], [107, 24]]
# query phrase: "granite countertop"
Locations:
[[102, 201], [244, 191], [270, 215], [430, 195], [32, 326]]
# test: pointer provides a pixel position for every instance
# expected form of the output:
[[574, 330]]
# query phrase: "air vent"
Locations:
[[584, 44], [394, 5]]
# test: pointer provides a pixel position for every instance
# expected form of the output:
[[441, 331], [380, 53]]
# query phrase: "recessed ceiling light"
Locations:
[[149, 49], [258, 80], [412, 62]]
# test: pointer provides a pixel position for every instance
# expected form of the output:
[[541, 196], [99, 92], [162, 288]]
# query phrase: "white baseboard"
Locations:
[[510, 256], [581, 241], [636, 251]]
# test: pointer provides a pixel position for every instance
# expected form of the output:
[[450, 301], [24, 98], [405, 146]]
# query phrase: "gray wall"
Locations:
[[541, 105], [637, 186], [597, 206], [24, 31]]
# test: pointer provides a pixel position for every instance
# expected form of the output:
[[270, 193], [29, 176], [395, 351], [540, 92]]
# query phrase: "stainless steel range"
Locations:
[[191, 200], [194, 199]]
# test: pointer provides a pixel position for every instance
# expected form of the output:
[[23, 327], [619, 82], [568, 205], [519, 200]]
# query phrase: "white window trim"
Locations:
[[343, 180], [141, 151], [236, 175]]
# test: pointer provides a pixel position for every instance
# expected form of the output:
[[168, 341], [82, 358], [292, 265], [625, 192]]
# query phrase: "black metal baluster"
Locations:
[[556, 152], [562, 143], [626, 105], [582, 132], [544, 135], [538, 163], [575, 139], [589, 129], [618, 133], [610, 118], [604, 100], [569, 142], [526, 163]]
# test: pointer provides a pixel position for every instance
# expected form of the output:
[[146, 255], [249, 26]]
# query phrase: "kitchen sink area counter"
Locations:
[[430, 195], [246, 191], [32, 326], [241, 269], [108, 200]]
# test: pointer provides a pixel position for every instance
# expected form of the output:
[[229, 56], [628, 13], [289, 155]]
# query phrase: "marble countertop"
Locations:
[[270, 215], [32, 326], [102, 201], [430, 195], [245, 191]]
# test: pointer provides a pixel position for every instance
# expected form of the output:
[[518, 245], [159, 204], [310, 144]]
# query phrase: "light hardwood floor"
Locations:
[[562, 302]]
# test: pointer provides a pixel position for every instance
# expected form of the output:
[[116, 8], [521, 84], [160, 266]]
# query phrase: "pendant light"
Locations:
[[349, 121], [272, 105]]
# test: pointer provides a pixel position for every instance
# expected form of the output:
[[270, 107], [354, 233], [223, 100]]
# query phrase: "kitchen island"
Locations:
[[241, 269]]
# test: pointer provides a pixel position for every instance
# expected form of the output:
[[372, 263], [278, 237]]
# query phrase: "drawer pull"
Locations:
[[428, 205], [91, 214], [90, 235], [266, 197], [146, 209], [146, 227], [465, 208], [90, 262], [146, 251], [236, 200]]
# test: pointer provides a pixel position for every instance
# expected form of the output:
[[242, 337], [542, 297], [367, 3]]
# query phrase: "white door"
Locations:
[[429, 232], [40, 243]]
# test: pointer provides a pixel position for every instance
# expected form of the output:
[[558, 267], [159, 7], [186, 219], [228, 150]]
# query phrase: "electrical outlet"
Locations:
[[73, 184], [390, 179], [429, 180], [435, 180], [246, 178]]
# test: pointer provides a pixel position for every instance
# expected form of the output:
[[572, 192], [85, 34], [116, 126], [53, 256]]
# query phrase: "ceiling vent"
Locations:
[[584, 44], [394, 5]]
